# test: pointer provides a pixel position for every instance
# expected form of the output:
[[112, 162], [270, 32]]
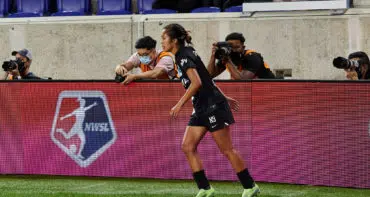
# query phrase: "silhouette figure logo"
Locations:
[[82, 126]]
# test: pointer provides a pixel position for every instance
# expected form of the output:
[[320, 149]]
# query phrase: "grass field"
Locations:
[[51, 186]]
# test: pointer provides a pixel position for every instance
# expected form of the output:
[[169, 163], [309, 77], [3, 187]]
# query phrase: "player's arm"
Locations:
[[234, 104], [194, 87]]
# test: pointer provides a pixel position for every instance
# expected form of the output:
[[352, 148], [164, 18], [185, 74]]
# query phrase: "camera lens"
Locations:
[[119, 78]]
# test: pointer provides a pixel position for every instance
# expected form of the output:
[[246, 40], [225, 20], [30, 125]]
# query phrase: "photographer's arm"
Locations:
[[236, 74], [212, 68], [151, 74], [124, 68]]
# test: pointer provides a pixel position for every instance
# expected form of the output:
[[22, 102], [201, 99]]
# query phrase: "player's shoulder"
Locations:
[[187, 51]]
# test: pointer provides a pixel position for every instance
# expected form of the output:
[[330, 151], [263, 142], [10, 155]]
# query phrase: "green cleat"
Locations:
[[252, 192], [206, 193]]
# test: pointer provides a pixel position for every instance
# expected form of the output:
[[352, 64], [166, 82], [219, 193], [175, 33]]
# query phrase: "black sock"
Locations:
[[201, 180], [245, 179]]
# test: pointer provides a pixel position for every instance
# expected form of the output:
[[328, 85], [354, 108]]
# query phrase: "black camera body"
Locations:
[[119, 78], [224, 50], [13, 64], [343, 63]]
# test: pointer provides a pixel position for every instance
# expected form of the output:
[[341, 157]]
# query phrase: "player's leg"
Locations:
[[193, 135], [222, 137], [219, 126]]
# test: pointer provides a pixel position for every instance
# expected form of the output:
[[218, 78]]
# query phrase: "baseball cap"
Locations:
[[23, 52]]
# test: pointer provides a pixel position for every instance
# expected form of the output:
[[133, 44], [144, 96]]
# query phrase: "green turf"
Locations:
[[51, 186]]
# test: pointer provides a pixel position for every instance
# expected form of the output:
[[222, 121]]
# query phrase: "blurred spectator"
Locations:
[[212, 3], [182, 6], [20, 68]]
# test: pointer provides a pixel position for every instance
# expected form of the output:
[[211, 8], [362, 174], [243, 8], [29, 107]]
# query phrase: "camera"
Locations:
[[343, 63], [119, 78], [224, 50], [12, 64]]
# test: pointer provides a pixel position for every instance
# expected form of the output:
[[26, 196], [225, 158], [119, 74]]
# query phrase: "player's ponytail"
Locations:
[[176, 31]]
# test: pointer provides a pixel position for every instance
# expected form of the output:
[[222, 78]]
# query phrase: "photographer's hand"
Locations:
[[214, 49], [214, 70], [121, 69], [128, 78], [351, 74], [15, 73]]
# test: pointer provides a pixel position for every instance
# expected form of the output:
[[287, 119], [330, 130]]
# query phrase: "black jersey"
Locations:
[[208, 95]]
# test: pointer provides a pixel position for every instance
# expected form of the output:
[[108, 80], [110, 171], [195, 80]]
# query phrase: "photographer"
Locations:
[[154, 64], [356, 66], [242, 64], [19, 68]]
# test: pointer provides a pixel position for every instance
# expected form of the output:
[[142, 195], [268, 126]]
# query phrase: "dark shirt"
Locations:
[[208, 95], [30, 75], [252, 62]]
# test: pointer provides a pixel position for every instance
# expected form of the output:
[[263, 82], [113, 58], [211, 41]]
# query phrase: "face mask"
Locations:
[[145, 59]]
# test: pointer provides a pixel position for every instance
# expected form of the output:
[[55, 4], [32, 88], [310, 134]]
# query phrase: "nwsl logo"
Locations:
[[82, 125]]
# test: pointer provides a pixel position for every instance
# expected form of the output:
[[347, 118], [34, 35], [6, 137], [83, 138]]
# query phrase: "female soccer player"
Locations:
[[211, 112]]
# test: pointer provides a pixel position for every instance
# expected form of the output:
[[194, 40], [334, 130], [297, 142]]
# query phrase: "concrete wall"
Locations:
[[361, 3], [90, 47], [87, 48]]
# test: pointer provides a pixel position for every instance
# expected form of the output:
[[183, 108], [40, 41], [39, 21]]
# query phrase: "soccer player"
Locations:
[[211, 112]]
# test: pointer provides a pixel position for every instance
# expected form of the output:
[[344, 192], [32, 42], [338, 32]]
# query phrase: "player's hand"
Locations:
[[128, 78], [175, 111], [234, 104], [120, 69]]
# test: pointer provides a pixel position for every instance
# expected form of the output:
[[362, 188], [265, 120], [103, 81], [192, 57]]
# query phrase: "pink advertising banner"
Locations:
[[313, 133]]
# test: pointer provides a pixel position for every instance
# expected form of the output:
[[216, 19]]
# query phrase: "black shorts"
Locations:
[[216, 119]]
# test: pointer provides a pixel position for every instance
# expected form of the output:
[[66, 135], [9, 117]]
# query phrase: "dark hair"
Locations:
[[146, 42], [176, 31], [235, 36], [360, 54]]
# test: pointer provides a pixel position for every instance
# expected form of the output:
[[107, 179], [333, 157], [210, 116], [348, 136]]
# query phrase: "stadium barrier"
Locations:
[[301, 132]]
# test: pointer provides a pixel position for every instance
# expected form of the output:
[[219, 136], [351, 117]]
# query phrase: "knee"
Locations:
[[188, 148]]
